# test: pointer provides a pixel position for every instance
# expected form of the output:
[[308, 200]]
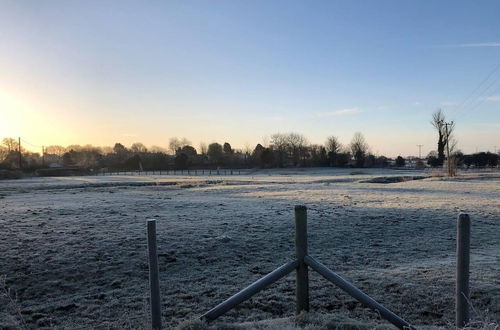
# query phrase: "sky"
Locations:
[[100, 72]]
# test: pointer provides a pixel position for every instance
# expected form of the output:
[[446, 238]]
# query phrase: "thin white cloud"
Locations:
[[341, 112], [493, 98], [469, 45], [482, 44], [447, 103]]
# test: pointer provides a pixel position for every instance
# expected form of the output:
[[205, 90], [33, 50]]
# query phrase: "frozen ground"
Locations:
[[73, 250]]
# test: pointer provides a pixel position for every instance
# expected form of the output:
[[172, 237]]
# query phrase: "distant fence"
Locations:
[[197, 172], [301, 266]]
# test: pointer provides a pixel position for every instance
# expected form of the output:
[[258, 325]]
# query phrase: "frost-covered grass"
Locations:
[[74, 249]]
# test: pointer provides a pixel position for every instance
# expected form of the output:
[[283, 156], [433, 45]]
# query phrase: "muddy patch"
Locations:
[[393, 179]]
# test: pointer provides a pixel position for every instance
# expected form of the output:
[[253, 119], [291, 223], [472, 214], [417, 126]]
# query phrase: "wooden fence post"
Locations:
[[154, 281], [302, 277], [463, 258]]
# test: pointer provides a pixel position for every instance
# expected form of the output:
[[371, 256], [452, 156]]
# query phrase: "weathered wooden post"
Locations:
[[463, 258], [154, 281], [302, 277]]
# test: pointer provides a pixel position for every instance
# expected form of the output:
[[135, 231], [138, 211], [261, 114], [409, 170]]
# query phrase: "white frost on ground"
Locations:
[[74, 249]]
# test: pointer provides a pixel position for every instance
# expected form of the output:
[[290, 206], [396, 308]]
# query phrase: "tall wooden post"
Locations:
[[154, 282], [302, 276], [463, 258], [20, 153]]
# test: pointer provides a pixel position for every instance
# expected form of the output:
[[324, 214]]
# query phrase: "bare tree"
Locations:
[[359, 148], [175, 144], [55, 150], [333, 147], [297, 144], [10, 143], [265, 141], [444, 130], [74, 147], [333, 144], [203, 148], [138, 147], [118, 149], [446, 142], [279, 143], [3, 153]]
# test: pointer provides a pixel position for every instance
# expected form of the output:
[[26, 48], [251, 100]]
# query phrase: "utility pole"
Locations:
[[20, 155], [448, 162], [43, 156], [420, 150]]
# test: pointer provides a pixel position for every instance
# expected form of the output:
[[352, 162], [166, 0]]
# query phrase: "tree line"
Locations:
[[283, 150]]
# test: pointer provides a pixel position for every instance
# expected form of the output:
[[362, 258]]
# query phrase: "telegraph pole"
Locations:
[[43, 156], [20, 155], [448, 146], [420, 150]]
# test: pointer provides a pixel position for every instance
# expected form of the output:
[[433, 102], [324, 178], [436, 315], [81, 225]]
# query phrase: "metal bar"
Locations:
[[249, 291], [154, 282], [357, 294], [463, 258], [302, 274]]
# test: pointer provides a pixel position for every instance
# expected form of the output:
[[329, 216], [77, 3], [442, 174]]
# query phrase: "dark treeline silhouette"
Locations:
[[478, 159], [283, 150]]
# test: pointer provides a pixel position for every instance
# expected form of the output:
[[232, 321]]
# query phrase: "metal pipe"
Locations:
[[249, 291], [357, 294]]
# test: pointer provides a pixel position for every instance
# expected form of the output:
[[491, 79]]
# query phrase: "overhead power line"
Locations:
[[31, 144], [479, 86], [484, 99]]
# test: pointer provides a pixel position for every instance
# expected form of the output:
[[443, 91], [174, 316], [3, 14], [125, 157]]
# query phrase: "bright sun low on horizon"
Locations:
[[92, 72]]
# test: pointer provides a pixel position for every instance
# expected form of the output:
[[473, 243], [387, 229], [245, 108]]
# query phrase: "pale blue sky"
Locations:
[[125, 71]]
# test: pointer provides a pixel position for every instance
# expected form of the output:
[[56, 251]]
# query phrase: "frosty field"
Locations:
[[74, 250]]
